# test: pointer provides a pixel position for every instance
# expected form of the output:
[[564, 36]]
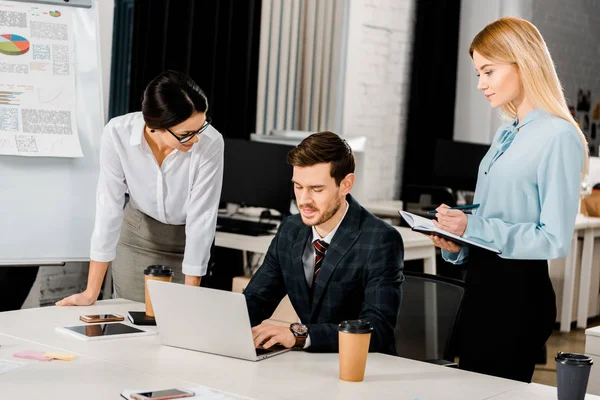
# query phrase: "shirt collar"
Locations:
[[329, 237], [531, 115], [137, 131]]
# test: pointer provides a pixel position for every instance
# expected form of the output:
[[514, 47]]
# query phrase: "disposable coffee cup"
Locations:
[[159, 273], [354, 339], [572, 375]]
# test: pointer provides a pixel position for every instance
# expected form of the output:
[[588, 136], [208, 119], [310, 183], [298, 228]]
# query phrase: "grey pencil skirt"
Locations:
[[145, 241]]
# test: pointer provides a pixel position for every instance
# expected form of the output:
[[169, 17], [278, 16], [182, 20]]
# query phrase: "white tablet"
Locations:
[[112, 330]]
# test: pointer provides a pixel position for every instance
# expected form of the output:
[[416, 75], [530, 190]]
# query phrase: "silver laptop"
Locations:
[[208, 320]]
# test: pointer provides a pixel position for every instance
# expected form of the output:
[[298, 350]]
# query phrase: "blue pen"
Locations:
[[462, 208]]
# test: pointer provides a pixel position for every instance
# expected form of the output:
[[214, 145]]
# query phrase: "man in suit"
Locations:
[[335, 260]]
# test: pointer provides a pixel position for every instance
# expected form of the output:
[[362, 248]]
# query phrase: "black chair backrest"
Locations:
[[428, 315]]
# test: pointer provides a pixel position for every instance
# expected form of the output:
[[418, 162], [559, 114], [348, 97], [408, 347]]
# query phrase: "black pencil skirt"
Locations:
[[508, 314]]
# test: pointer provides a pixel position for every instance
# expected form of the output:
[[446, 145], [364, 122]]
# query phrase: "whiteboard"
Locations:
[[47, 205]]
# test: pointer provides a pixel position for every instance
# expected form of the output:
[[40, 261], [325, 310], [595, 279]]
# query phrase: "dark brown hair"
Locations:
[[324, 147], [171, 98]]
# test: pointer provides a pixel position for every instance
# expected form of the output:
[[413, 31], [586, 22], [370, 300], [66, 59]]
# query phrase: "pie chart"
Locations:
[[13, 45]]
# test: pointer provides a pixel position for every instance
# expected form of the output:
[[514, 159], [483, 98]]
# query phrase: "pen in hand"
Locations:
[[466, 209]]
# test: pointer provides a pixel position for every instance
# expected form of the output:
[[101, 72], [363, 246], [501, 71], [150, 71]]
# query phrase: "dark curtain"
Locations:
[[432, 87], [215, 42]]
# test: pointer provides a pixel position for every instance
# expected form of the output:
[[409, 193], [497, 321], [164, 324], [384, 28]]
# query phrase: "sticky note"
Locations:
[[33, 355], [60, 356]]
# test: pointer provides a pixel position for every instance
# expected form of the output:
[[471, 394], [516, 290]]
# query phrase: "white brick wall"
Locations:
[[377, 87]]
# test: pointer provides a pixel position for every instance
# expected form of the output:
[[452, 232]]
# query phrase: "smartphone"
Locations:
[[101, 318], [162, 394]]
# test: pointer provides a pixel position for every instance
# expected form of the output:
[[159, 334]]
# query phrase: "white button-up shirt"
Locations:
[[185, 189]]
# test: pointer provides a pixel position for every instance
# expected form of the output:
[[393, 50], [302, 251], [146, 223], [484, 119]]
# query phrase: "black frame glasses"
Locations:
[[189, 136]]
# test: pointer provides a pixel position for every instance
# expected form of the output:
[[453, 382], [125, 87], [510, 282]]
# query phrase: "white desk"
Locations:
[[292, 375], [416, 246], [589, 228], [385, 209], [84, 377], [534, 391], [590, 233], [592, 349]]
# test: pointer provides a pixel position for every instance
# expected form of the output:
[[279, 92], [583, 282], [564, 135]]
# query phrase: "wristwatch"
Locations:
[[300, 331]]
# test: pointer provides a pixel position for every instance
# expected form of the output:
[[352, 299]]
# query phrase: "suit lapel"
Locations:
[[343, 240], [299, 279]]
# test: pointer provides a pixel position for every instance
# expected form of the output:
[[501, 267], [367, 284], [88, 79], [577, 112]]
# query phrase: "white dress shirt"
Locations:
[[308, 257], [185, 189]]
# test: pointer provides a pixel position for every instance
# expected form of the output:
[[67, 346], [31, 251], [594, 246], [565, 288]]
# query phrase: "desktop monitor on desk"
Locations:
[[358, 144], [257, 175], [456, 164]]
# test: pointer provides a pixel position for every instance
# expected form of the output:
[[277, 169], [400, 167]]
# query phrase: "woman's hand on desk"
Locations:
[[444, 244], [84, 298], [269, 335], [453, 221]]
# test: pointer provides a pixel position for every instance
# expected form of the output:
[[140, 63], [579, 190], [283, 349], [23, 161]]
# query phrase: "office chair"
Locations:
[[428, 317]]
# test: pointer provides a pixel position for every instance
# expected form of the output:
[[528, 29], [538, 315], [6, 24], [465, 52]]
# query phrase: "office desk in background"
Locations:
[[589, 229], [104, 368], [592, 349], [416, 246]]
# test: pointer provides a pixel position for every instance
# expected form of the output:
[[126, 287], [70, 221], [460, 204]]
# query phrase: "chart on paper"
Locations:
[[37, 81]]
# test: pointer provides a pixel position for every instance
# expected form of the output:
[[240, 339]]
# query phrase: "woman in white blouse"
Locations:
[[169, 159]]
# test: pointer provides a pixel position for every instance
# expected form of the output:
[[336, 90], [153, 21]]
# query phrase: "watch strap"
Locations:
[[300, 342]]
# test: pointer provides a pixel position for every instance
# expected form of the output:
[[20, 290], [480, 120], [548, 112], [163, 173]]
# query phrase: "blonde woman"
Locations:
[[528, 187]]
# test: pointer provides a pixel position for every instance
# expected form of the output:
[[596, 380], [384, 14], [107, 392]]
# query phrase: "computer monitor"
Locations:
[[456, 163], [257, 175], [358, 144]]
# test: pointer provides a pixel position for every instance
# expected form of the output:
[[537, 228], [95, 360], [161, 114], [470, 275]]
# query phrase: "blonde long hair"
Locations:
[[514, 40]]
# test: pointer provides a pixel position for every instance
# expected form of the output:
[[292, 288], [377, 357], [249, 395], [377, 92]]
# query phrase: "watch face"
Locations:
[[299, 329]]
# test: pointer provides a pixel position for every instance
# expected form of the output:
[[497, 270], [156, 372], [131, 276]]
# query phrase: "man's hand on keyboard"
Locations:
[[269, 335]]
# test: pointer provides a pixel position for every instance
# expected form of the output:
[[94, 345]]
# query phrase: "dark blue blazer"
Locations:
[[361, 278]]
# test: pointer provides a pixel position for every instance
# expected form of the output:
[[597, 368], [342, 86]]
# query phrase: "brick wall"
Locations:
[[376, 88]]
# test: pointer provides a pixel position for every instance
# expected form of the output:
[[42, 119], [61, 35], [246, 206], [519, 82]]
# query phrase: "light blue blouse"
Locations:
[[528, 187]]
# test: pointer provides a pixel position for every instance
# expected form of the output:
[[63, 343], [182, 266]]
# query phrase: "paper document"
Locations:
[[8, 365], [200, 392], [37, 81], [426, 226]]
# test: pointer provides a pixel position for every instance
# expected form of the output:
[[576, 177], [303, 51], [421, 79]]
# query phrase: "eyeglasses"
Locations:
[[190, 136]]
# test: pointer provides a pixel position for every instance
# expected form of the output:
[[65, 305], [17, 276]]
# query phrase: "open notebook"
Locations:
[[426, 226]]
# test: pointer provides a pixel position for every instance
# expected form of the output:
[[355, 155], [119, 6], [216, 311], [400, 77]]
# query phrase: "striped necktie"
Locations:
[[320, 249]]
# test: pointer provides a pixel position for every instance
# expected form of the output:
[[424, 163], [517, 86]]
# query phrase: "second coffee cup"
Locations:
[[572, 374], [354, 338], [159, 273]]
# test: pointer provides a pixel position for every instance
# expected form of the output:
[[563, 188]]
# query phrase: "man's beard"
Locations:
[[327, 214]]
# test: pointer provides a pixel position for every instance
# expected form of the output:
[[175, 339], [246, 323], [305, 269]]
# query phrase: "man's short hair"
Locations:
[[324, 147]]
